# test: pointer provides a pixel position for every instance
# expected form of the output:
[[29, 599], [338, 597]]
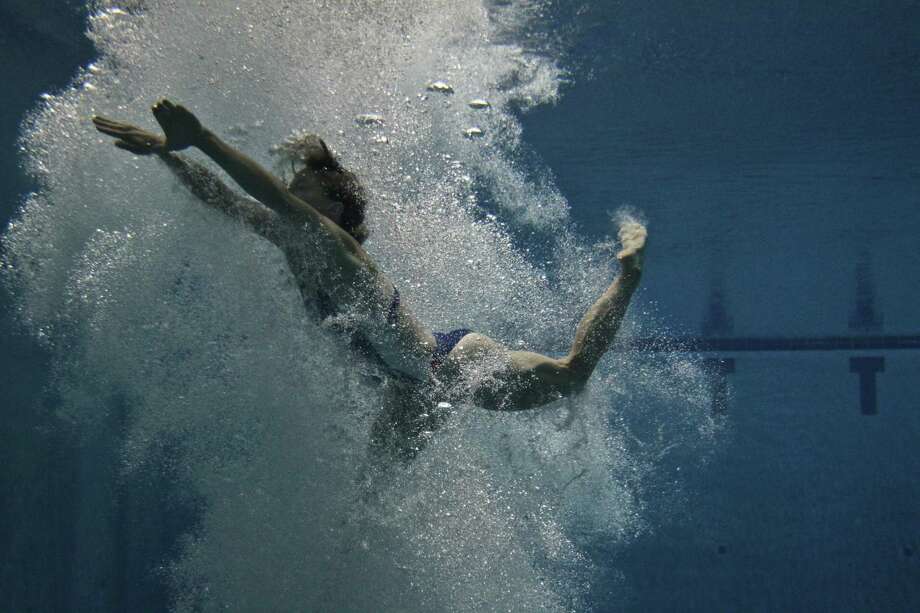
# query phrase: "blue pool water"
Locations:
[[155, 455]]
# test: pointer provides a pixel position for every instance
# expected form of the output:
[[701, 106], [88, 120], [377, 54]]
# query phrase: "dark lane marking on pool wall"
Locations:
[[719, 368], [759, 343], [865, 316], [866, 368]]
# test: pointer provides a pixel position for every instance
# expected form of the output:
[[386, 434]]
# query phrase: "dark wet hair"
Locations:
[[339, 184]]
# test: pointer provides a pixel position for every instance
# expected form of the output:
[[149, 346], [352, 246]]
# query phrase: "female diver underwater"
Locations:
[[317, 221]]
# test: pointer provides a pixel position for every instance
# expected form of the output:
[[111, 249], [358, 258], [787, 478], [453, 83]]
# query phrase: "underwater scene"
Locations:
[[186, 429]]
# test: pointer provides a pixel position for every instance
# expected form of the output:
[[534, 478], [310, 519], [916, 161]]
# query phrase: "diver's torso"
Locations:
[[361, 314]]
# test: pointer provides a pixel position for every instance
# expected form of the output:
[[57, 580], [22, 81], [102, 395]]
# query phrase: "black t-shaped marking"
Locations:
[[866, 369]]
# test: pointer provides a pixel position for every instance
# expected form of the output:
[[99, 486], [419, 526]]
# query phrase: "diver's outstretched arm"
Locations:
[[212, 191], [350, 280], [601, 323], [183, 130], [529, 380], [199, 180]]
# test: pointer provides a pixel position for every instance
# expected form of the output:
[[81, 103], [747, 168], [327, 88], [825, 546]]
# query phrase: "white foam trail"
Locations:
[[145, 295]]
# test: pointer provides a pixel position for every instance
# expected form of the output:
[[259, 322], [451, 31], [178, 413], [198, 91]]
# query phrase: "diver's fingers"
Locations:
[[164, 105], [182, 111], [110, 126], [105, 121], [161, 113], [116, 132], [133, 148]]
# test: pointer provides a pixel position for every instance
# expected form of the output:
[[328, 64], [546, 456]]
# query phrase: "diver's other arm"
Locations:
[[183, 130], [212, 191], [531, 380], [601, 323], [198, 179]]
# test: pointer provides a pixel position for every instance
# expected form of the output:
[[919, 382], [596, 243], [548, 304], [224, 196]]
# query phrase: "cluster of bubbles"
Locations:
[[193, 329]]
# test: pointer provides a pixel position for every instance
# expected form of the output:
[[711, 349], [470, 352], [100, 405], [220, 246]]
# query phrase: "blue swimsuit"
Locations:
[[446, 341]]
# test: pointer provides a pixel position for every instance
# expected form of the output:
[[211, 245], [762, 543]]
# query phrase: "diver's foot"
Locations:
[[632, 235]]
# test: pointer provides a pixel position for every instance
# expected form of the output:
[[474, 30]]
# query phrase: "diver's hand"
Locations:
[[131, 138], [181, 127]]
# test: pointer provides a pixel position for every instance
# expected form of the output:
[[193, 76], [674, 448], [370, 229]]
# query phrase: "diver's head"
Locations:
[[325, 185]]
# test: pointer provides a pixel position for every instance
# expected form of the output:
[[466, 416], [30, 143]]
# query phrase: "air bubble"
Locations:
[[369, 119], [440, 87]]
